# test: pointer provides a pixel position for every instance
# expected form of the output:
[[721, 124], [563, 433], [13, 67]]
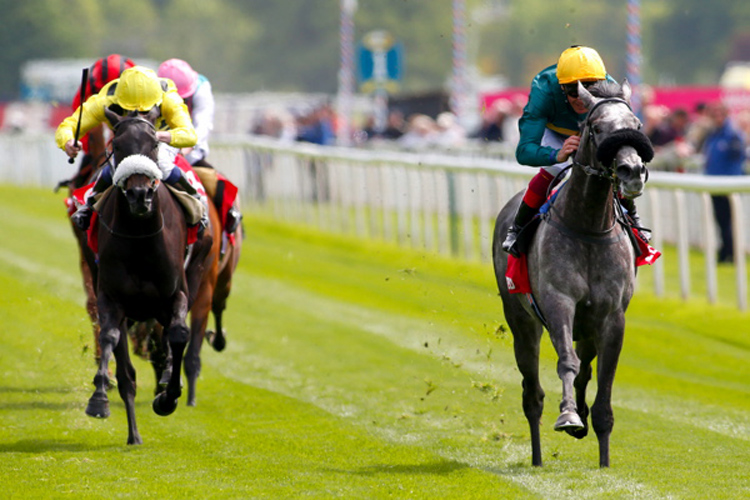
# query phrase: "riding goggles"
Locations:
[[571, 89]]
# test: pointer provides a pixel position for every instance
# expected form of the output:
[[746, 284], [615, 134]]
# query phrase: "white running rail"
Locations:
[[445, 203]]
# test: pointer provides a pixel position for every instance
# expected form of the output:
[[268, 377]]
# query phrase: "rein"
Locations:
[[607, 172], [128, 119]]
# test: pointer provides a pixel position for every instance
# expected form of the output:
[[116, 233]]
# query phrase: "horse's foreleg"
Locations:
[[158, 351], [586, 350], [126, 385], [109, 337], [568, 364], [602, 417], [178, 335]]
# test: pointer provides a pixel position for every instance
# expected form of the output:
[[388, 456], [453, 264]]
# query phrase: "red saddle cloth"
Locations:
[[78, 198], [517, 272]]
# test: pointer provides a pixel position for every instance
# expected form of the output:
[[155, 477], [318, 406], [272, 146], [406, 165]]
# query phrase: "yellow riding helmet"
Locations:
[[138, 89], [580, 63]]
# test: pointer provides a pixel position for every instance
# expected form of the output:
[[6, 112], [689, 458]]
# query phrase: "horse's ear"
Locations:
[[154, 114], [113, 117], [588, 100], [627, 91]]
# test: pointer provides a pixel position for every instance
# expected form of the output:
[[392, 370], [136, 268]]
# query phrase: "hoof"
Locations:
[[98, 408], [568, 421], [578, 433], [217, 340], [163, 406]]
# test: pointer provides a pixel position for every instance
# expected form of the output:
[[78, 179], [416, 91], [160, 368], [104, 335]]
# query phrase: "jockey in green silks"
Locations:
[[549, 129]]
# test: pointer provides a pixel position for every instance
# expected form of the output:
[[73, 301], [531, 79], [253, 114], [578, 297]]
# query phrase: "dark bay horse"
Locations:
[[581, 266], [143, 273]]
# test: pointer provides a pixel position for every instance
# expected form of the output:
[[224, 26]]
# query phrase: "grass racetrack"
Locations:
[[354, 370]]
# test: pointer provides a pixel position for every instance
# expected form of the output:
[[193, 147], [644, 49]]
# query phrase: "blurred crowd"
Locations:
[[417, 131], [678, 134]]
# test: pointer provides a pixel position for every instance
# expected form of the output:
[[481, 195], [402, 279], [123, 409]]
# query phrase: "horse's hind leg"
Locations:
[[602, 417], [527, 334], [126, 386], [217, 339], [199, 320]]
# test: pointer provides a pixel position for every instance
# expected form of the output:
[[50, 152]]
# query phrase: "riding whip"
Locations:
[[84, 80]]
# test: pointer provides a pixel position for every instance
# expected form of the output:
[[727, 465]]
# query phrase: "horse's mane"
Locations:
[[605, 89]]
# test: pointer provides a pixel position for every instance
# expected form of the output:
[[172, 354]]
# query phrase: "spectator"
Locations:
[[669, 141], [673, 128], [420, 133], [743, 124], [317, 127], [278, 123], [493, 126], [655, 117], [724, 151], [394, 128], [449, 132], [699, 127]]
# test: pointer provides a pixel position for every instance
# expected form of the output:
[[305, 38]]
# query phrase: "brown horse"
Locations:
[[212, 296], [143, 271]]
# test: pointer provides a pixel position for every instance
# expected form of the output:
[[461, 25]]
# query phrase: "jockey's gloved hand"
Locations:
[[82, 217]]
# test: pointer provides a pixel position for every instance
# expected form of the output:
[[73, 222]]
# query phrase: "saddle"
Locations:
[[191, 207], [516, 274]]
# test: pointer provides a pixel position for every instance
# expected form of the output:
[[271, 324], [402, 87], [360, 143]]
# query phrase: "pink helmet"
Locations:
[[183, 76]]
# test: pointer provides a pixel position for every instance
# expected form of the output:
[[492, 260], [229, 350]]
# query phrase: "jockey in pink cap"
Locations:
[[195, 90]]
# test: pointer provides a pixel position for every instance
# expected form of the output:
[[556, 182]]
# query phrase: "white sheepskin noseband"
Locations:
[[135, 164]]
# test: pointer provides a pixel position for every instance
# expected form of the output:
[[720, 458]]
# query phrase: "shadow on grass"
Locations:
[[51, 445], [39, 390], [43, 405], [435, 468]]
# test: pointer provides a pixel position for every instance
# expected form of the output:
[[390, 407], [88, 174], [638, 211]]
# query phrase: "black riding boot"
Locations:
[[234, 217], [523, 216], [629, 205], [82, 216]]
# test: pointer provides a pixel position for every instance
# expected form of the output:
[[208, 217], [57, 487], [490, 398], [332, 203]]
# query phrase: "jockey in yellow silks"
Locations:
[[137, 89]]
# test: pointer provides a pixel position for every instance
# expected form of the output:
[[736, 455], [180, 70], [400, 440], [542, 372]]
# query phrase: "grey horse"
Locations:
[[581, 264]]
